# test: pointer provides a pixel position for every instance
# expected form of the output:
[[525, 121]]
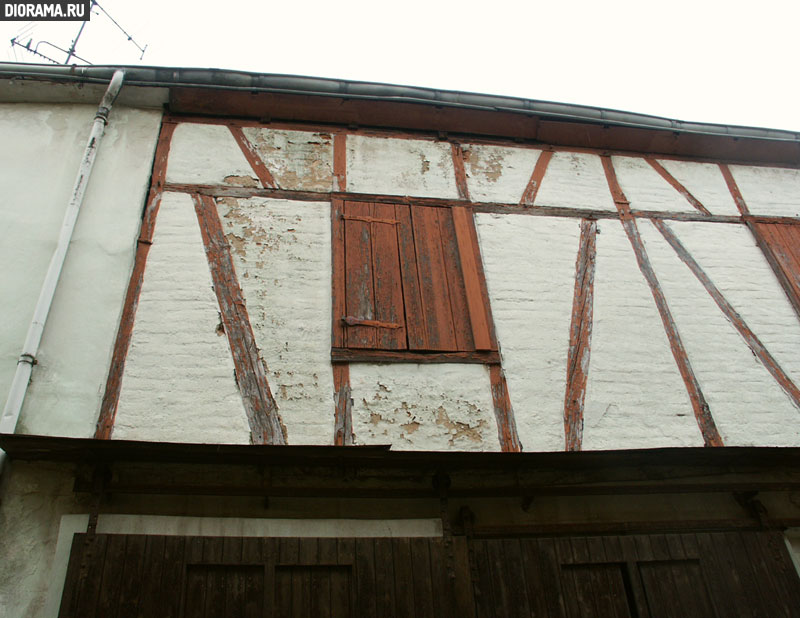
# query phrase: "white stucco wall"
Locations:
[[498, 173], [575, 180], [705, 182], [424, 407], [532, 308], [747, 404], [42, 149], [769, 190], [207, 154], [635, 396], [393, 166], [178, 384], [282, 254], [646, 189]]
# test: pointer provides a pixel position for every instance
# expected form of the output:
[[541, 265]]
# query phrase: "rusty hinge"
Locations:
[[351, 321], [370, 219]]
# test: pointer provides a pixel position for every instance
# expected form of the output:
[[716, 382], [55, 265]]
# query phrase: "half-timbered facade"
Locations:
[[324, 348]]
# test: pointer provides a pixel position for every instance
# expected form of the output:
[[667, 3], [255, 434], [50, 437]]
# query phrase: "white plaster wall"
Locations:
[[179, 383], [207, 154], [575, 180], [635, 396], [730, 257], [747, 404], [532, 305], [42, 149], [498, 173], [282, 253], [705, 182], [646, 189], [394, 166], [424, 407], [297, 160], [769, 190]]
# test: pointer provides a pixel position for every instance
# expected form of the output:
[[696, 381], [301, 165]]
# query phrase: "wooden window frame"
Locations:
[[427, 266]]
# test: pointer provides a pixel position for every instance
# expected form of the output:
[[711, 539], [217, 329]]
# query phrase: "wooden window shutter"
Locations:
[[408, 278], [781, 244]]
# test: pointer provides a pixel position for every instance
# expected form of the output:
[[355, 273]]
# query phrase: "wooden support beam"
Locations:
[[676, 184], [108, 406], [753, 342], [251, 371], [468, 252], [340, 161], [506, 426], [460, 171], [343, 405], [580, 336], [734, 189], [529, 195], [253, 158], [702, 412]]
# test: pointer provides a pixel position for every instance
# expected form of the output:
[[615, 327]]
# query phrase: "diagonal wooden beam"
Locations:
[[108, 406], [580, 336], [253, 158], [343, 405], [702, 412], [251, 371], [539, 170], [676, 184], [734, 189], [753, 342], [460, 171], [506, 425]]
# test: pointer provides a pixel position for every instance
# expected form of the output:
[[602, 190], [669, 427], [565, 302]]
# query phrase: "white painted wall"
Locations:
[[635, 396], [42, 149], [705, 182], [424, 407], [178, 384], [208, 154], [498, 173], [769, 190], [646, 189], [575, 180], [282, 254], [532, 307], [394, 166]]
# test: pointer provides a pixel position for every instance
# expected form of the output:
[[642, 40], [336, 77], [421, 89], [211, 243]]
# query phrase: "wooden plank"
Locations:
[[234, 577], [499, 577], [734, 189], [90, 585], [338, 281], [455, 281], [253, 598], [172, 577], [153, 595], [69, 596], [113, 565], [343, 405], [723, 597], [780, 244], [216, 576], [636, 593], [403, 577], [194, 603], [321, 604], [676, 184], [702, 411], [772, 546], [580, 336], [131, 581], [482, 584], [432, 280], [460, 172], [515, 573], [251, 376], [503, 412], [421, 574], [384, 578], [388, 285], [416, 326], [341, 355], [108, 406], [750, 338], [539, 170], [481, 276], [463, 595], [253, 158], [340, 161], [479, 318], [359, 278], [365, 577], [343, 599]]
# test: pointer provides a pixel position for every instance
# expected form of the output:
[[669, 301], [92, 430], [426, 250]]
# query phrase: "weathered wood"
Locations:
[[753, 342], [734, 189], [416, 329], [459, 304], [351, 321], [253, 158], [343, 405], [504, 414], [479, 320], [780, 244], [539, 170], [108, 406], [339, 355], [359, 290], [580, 337], [387, 281], [352, 217], [340, 160], [251, 375], [338, 280], [676, 184], [702, 411], [460, 172]]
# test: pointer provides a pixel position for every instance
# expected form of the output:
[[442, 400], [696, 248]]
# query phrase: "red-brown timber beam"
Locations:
[[253, 158], [343, 405], [676, 184], [539, 170], [460, 171], [506, 425]]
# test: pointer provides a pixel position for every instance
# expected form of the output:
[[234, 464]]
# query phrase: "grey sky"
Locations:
[[707, 61]]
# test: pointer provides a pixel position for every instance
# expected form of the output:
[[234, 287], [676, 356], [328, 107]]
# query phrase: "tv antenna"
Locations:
[[34, 49]]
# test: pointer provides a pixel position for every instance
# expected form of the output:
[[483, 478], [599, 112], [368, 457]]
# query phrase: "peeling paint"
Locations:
[[241, 181]]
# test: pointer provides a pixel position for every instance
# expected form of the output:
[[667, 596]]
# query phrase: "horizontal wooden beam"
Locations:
[[409, 356]]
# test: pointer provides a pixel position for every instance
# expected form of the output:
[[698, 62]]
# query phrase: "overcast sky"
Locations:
[[727, 62]]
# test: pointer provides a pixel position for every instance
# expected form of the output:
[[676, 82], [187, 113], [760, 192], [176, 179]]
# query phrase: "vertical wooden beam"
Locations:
[[702, 412], [460, 171], [506, 426], [340, 161], [251, 371], [676, 184], [580, 336], [253, 158], [529, 195], [343, 405], [734, 189], [753, 342], [338, 280], [108, 407]]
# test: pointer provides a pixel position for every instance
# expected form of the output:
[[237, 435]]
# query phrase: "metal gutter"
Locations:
[[166, 77]]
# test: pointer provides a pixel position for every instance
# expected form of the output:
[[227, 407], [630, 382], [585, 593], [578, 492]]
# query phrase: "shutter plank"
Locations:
[[108, 601], [421, 572], [172, 576], [365, 577], [462, 324], [95, 553], [416, 329], [403, 577], [132, 576], [253, 598], [338, 336], [388, 287], [152, 595], [359, 293], [384, 578]]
